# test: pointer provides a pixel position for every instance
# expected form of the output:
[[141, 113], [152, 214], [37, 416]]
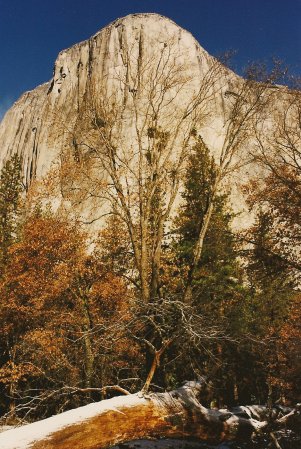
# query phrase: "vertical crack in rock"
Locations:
[[140, 57], [79, 68], [90, 58]]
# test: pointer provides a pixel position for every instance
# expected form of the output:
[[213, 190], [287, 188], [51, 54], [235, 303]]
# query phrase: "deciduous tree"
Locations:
[[57, 315]]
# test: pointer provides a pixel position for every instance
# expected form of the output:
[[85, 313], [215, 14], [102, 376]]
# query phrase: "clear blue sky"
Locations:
[[32, 32]]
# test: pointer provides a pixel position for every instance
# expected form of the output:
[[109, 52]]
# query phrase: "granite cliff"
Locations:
[[45, 122]]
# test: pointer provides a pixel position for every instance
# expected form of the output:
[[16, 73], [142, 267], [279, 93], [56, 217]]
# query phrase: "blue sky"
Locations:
[[32, 32]]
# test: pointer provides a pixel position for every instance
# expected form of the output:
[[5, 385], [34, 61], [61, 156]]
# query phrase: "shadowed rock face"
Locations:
[[42, 123]]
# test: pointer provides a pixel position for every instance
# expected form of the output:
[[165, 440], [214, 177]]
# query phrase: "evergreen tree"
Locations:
[[273, 294], [11, 187], [218, 291], [218, 272]]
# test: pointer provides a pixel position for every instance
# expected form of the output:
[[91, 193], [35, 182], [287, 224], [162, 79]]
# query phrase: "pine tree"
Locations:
[[218, 291], [218, 271], [272, 283], [11, 187]]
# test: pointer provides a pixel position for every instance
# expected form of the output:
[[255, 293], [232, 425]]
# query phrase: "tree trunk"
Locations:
[[87, 341], [198, 249], [144, 265], [197, 253], [177, 414]]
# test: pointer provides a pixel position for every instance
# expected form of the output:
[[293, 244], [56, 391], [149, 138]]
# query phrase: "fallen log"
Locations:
[[176, 414]]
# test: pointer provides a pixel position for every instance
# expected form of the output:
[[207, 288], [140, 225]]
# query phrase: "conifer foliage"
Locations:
[[11, 187]]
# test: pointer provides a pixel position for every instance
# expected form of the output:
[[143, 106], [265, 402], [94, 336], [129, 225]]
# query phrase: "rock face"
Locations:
[[29, 127], [42, 122]]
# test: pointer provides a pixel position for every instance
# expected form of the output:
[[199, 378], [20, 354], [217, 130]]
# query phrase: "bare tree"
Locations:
[[170, 323], [278, 194], [133, 139], [132, 143]]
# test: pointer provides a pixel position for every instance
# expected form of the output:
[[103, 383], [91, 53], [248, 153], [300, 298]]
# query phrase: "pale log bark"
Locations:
[[176, 414]]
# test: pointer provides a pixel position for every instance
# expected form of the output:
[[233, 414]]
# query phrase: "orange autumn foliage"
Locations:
[[57, 302]]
